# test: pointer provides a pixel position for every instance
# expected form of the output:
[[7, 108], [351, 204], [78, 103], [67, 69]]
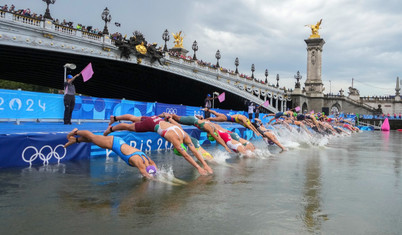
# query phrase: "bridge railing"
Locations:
[[26, 20], [51, 26], [92, 36], [64, 29], [360, 103]]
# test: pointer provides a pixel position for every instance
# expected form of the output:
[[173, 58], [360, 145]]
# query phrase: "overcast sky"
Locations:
[[363, 37]]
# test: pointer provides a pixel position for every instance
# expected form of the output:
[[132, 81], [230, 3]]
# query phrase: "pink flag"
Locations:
[[265, 104], [87, 72], [297, 108], [221, 97]]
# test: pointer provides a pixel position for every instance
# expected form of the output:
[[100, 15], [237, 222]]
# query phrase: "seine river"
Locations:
[[351, 185]]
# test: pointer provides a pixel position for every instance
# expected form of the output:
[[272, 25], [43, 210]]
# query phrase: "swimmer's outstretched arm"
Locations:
[[198, 155], [189, 159], [267, 115]]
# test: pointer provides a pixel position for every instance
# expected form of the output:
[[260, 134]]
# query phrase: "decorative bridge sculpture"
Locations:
[[21, 31]]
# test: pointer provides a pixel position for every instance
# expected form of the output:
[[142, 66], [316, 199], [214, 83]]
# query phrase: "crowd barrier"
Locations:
[[38, 149], [47, 148], [15, 104]]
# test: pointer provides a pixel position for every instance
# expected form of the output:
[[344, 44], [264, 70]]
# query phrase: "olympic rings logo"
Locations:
[[45, 154], [197, 113], [171, 110]]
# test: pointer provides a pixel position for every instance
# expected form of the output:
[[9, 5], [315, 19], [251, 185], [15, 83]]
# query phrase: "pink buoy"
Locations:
[[385, 125]]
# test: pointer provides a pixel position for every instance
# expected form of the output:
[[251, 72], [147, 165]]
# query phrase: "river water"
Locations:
[[350, 185]]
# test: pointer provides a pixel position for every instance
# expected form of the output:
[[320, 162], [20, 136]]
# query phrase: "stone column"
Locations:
[[276, 102], [314, 86], [284, 105], [397, 90], [270, 102]]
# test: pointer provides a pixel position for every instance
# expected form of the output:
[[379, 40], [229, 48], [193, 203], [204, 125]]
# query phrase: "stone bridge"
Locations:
[[22, 32]]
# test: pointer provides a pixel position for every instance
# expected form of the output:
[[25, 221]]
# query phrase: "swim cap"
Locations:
[[182, 147], [211, 138], [69, 76], [151, 170]]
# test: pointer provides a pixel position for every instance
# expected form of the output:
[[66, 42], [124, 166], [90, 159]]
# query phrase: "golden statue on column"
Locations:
[[178, 40], [314, 29]]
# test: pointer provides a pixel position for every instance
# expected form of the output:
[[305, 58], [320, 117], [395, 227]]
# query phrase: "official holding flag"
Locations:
[[69, 98], [69, 92]]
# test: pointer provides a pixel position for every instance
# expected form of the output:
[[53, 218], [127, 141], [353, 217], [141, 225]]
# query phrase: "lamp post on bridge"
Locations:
[[252, 71], [107, 18], [165, 37], [237, 64], [47, 12], [330, 87], [298, 77], [217, 56], [195, 48], [277, 80], [266, 76]]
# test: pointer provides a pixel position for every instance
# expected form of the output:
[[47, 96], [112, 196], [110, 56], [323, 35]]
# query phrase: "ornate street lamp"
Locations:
[[47, 12], [277, 80], [107, 18], [217, 56], [266, 76], [165, 37], [237, 64], [252, 71], [195, 48], [298, 78]]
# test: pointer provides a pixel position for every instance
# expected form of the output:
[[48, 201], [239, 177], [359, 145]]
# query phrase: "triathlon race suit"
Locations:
[[228, 140], [230, 118], [278, 114], [234, 136], [195, 142], [162, 132], [117, 143], [188, 120], [301, 117], [147, 124], [257, 126], [241, 123]]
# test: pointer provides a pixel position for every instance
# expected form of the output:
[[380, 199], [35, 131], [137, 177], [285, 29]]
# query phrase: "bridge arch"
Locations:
[[335, 108], [304, 107]]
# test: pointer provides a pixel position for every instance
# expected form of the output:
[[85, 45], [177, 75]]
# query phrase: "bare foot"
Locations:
[[107, 131], [112, 120], [71, 140], [72, 133]]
